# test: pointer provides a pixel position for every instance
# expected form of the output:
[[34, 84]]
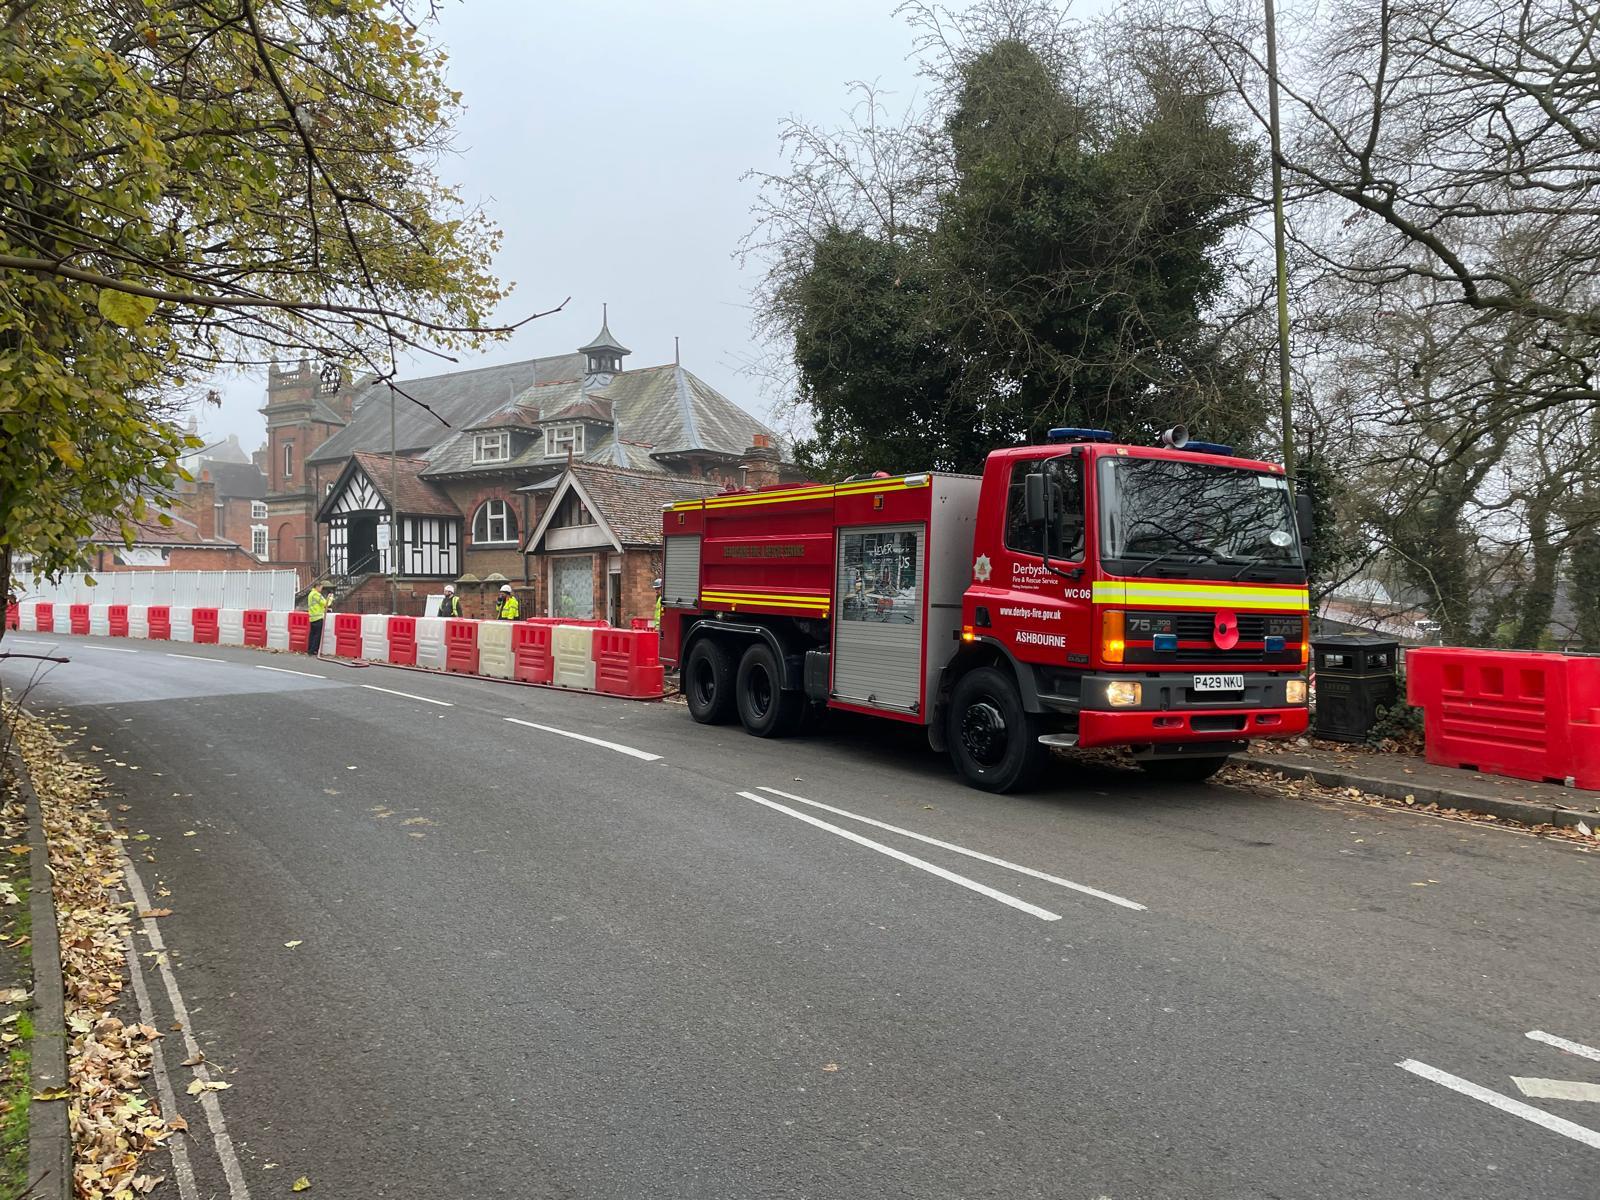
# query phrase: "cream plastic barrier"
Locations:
[[230, 626], [375, 637], [430, 642], [277, 630], [100, 620], [28, 616], [138, 620], [182, 623], [572, 653], [494, 649]]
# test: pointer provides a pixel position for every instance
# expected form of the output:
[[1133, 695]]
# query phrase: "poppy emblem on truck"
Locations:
[[1225, 630], [982, 569]]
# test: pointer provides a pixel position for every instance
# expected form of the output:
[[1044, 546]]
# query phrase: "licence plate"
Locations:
[[1219, 683]]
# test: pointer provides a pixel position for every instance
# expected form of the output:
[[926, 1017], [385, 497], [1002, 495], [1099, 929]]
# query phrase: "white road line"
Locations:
[[21, 641], [1561, 1043], [645, 755], [1506, 1104], [372, 687], [1044, 914], [288, 671], [112, 649], [1557, 1089], [979, 855], [196, 657], [180, 1013], [158, 1061]]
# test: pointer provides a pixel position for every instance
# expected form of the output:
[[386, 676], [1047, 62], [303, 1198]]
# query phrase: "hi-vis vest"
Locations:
[[316, 605], [509, 609]]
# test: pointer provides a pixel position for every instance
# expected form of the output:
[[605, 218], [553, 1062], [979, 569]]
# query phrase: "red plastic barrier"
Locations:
[[641, 624], [117, 617], [299, 632], [403, 641], [13, 617], [626, 663], [78, 618], [46, 617], [585, 623], [346, 634], [1506, 712], [255, 627], [461, 646], [160, 616], [205, 626], [530, 651]]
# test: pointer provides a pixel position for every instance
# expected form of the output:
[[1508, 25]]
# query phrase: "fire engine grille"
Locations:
[[1197, 626]]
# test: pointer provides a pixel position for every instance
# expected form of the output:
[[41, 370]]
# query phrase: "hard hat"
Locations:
[[505, 587], [656, 584], [449, 589]]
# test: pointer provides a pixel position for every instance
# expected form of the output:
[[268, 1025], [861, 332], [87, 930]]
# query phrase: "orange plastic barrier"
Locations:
[[299, 631], [13, 616], [255, 627], [461, 646], [117, 615], [640, 624], [403, 641], [346, 634], [205, 626], [160, 617], [530, 651], [1504, 712], [626, 663], [78, 618], [45, 616]]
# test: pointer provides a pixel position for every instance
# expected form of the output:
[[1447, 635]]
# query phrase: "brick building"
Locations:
[[305, 408], [538, 478]]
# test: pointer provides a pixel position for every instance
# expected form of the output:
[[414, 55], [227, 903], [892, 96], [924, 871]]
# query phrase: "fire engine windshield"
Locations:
[[1165, 517]]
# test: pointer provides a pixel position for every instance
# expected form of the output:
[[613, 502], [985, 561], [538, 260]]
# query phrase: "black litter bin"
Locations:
[[1355, 676]]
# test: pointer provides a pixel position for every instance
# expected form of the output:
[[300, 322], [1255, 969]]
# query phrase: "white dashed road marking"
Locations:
[[288, 671], [1561, 1043], [644, 755], [196, 657], [1568, 1129], [372, 687]]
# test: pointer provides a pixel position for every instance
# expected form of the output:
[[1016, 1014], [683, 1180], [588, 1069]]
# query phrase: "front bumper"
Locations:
[[1136, 727]]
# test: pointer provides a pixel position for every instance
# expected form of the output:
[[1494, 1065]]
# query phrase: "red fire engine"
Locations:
[[1080, 593]]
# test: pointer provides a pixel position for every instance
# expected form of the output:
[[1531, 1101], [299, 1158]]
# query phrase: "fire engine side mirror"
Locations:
[[1033, 502], [1305, 519]]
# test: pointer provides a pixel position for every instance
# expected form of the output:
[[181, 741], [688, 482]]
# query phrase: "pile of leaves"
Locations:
[[114, 1123]]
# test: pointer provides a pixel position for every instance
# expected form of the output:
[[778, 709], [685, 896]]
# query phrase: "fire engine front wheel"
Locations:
[[708, 682], [994, 743], [765, 709]]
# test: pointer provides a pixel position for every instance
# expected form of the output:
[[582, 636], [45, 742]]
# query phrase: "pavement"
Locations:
[[445, 937], [1409, 777]]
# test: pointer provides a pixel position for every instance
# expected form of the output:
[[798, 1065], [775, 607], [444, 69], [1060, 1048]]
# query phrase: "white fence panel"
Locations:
[[191, 589]]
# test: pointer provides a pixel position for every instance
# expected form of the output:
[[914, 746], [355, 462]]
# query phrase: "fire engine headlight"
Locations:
[[1294, 691], [1124, 693]]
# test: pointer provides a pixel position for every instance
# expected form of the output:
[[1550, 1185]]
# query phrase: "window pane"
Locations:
[[1064, 478], [572, 587]]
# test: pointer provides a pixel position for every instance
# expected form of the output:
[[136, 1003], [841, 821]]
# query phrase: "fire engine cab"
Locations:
[[1079, 593]]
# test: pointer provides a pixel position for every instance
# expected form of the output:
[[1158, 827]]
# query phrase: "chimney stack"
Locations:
[[205, 506], [760, 463]]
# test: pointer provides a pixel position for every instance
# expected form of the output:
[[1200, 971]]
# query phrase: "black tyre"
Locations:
[[993, 742], [1183, 770], [765, 709], [708, 682]]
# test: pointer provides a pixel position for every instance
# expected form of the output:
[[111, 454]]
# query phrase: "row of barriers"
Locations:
[[588, 656], [1522, 714]]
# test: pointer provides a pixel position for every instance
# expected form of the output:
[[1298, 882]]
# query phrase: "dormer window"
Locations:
[[559, 440], [491, 447]]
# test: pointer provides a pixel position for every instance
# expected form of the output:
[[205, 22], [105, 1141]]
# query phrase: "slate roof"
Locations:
[[413, 494], [630, 502], [151, 532], [236, 481], [460, 397], [604, 340]]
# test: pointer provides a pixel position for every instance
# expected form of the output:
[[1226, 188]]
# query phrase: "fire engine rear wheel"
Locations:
[[1183, 770], [994, 743], [764, 707], [708, 682]]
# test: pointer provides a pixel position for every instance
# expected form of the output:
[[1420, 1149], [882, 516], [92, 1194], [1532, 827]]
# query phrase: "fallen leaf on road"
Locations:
[[161, 891], [419, 835], [178, 1125], [19, 850], [52, 1094], [188, 833], [159, 955], [124, 808], [302, 1183], [195, 1059], [416, 821], [147, 1183], [13, 995], [830, 1066], [156, 912], [207, 1085], [293, 944]]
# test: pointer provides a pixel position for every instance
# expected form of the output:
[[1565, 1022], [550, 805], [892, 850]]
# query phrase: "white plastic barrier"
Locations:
[[28, 616], [375, 637], [494, 649], [430, 643], [230, 626], [100, 620], [182, 623], [572, 655], [139, 620], [277, 630]]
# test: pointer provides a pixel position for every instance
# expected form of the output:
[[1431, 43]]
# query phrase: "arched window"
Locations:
[[494, 524]]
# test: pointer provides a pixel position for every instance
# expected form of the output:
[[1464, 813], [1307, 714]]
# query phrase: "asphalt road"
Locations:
[[528, 965]]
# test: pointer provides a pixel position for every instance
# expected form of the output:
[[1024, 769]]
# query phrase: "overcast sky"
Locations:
[[608, 139]]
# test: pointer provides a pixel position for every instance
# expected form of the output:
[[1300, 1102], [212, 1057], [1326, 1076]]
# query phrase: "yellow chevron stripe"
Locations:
[[765, 598], [860, 487], [1176, 594]]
